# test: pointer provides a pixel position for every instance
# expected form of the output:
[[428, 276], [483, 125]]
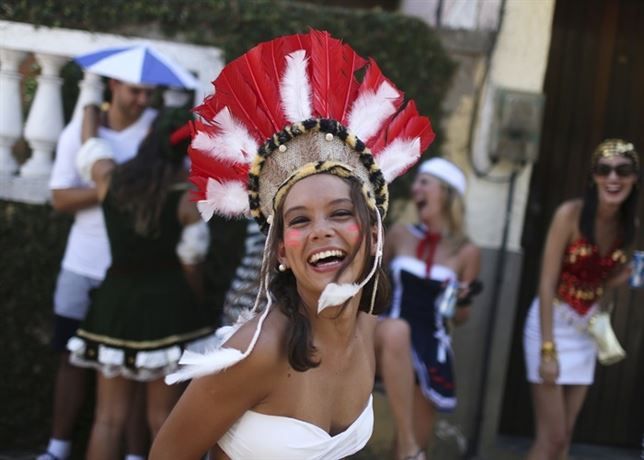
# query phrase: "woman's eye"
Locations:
[[342, 213], [297, 220]]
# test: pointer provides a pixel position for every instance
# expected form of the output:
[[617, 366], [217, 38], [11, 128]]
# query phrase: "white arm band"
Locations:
[[194, 243], [92, 150]]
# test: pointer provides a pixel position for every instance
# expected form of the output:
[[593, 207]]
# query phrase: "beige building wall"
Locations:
[[519, 62]]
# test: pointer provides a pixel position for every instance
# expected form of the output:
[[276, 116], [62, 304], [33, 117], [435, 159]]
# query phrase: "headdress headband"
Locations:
[[616, 147]]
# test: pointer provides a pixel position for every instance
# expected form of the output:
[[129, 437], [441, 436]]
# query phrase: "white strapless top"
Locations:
[[258, 436]]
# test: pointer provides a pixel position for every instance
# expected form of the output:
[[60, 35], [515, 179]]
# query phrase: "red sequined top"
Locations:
[[583, 273]]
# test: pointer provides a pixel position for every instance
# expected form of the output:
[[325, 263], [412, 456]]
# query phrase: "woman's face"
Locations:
[[428, 194], [615, 177], [321, 230]]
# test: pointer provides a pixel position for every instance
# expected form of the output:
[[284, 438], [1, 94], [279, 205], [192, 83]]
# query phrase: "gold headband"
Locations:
[[616, 147]]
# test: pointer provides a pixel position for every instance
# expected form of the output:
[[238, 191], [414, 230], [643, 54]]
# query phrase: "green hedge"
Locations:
[[32, 238]]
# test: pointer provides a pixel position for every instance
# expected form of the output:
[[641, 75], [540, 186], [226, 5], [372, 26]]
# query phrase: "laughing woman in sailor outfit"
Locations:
[[425, 260]]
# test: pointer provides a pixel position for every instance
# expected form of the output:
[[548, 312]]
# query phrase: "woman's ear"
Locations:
[[374, 240], [281, 254]]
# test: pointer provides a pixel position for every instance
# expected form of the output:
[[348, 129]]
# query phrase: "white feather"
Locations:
[[227, 198], [206, 209], [370, 110], [295, 88], [336, 294], [233, 143], [197, 364], [397, 157]]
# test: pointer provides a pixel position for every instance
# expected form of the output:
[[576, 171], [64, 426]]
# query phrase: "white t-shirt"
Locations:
[[88, 251]]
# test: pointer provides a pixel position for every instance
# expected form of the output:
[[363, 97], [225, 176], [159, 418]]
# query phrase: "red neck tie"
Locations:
[[427, 248]]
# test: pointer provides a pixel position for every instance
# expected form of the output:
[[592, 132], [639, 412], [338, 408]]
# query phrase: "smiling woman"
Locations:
[[584, 256], [298, 377]]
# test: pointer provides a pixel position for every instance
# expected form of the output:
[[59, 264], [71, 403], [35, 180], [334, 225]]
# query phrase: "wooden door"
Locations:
[[594, 89]]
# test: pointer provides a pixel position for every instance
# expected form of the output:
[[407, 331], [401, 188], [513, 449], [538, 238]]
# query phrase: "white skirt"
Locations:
[[576, 350]]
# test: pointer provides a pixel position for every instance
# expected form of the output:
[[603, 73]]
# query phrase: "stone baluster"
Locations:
[[10, 108], [45, 120], [91, 92]]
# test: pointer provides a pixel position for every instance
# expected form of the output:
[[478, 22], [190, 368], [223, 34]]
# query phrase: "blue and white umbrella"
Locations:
[[139, 64]]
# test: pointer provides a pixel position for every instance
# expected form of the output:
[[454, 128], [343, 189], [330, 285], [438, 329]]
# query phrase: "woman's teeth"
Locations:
[[321, 256]]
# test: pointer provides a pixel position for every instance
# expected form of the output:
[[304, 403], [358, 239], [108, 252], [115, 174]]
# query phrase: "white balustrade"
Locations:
[[52, 47], [10, 108], [46, 120], [91, 91]]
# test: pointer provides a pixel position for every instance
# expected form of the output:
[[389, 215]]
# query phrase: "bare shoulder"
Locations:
[[470, 252], [569, 209], [566, 218], [269, 351]]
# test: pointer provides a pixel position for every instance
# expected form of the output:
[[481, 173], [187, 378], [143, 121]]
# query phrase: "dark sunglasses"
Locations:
[[623, 170]]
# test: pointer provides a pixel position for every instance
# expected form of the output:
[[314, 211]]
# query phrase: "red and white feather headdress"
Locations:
[[297, 86]]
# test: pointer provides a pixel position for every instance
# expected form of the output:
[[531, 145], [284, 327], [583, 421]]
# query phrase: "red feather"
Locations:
[[235, 93], [274, 55], [371, 81], [264, 87], [406, 124], [373, 78], [348, 84], [201, 183], [206, 165], [333, 75]]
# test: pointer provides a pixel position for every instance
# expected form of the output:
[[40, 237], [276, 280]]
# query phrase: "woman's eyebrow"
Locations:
[[341, 200], [293, 209]]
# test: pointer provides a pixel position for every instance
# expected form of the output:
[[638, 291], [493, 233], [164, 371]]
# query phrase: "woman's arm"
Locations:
[[619, 277], [559, 235], [96, 150], [470, 255], [193, 247], [212, 404]]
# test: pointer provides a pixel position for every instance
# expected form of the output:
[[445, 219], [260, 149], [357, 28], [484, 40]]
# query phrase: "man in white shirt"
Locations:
[[87, 256]]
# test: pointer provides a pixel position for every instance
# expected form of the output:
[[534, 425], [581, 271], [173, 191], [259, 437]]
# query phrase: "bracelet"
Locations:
[[548, 350]]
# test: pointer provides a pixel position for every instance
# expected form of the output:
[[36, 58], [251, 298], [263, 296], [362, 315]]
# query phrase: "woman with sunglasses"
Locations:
[[584, 256]]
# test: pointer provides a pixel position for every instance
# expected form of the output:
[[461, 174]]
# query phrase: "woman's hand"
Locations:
[[549, 369], [619, 278], [549, 365]]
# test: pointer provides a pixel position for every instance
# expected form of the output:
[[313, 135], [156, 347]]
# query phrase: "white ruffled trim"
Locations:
[[149, 365]]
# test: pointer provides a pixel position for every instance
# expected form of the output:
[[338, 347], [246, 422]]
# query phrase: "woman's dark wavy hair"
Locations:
[[140, 185], [300, 348], [628, 223]]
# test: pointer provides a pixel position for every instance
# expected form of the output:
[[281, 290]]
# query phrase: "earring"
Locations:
[[281, 267]]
